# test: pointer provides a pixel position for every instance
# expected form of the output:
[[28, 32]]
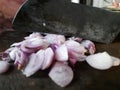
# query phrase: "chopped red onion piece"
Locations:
[[36, 43], [13, 52], [34, 64], [16, 44], [55, 39], [34, 35], [76, 39], [61, 53], [5, 57], [48, 58], [21, 59], [89, 45], [26, 49], [75, 50], [54, 47], [61, 74], [4, 66]]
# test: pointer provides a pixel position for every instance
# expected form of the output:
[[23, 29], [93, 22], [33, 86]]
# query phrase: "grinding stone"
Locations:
[[70, 19]]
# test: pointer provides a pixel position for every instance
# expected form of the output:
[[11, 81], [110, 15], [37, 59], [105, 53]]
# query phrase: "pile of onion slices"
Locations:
[[39, 52]]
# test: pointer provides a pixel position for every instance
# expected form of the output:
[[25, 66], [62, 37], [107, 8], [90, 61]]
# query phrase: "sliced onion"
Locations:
[[61, 74], [55, 39], [34, 35], [34, 64], [61, 53], [89, 45], [4, 66], [75, 50], [101, 61], [48, 58]]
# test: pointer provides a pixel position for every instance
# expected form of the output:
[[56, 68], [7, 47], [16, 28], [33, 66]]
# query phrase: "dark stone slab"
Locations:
[[85, 77], [63, 17]]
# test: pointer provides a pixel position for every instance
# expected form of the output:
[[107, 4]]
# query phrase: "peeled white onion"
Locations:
[[4, 66], [101, 61]]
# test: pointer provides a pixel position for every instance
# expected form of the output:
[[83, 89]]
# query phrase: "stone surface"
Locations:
[[63, 17], [85, 77]]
